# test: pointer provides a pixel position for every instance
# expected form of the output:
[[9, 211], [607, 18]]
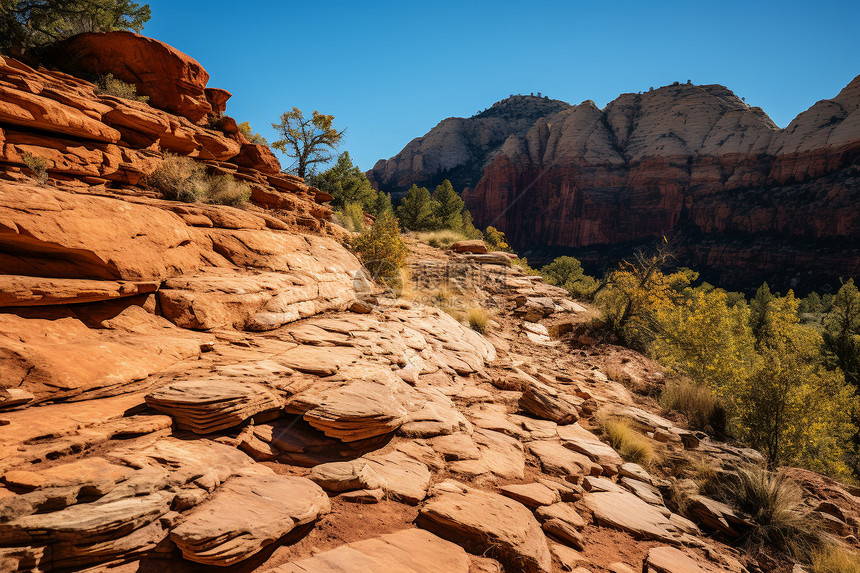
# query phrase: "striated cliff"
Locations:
[[459, 148], [744, 200]]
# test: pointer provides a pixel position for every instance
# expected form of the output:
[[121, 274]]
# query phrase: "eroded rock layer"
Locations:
[[744, 200]]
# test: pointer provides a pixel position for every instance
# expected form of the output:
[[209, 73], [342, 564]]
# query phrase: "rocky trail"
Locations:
[[189, 387]]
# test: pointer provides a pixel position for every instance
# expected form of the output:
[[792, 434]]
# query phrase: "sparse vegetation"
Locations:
[[351, 217], [183, 179], [775, 506], [630, 444], [37, 165], [382, 250], [478, 319], [697, 403], [835, 559], [441, 239], [250, 135], [116, 87], [495, 240]]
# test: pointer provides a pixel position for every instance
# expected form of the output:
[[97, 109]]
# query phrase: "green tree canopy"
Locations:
[[25, 24], [842, 332], [418, 210], [307, 141], [567, 272], [449, 209], [347, 184]]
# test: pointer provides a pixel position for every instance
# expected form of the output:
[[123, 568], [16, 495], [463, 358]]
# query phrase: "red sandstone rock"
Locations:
[[173, 81]]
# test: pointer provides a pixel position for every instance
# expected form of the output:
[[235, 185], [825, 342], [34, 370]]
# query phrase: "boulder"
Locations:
[[471, 246], [548, 403], [173, 81], [246, 514], [488, 524]]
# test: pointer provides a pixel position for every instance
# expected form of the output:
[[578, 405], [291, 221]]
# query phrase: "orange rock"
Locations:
[[173, 81]]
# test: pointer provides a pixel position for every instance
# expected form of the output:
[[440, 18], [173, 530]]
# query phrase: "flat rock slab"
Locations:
[[581, 440], [548, 403], [407, 551], [672, 560], [532, 495], [400, 476], [206, 406], [555, 459], [246, 514], [623, 510], [487, 523]]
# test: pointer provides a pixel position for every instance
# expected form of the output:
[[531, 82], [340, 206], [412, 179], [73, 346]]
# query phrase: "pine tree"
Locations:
[[418, 210], [450, 206], [842, 332], [347, 184]]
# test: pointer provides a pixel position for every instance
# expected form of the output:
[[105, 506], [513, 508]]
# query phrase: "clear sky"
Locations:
[[390, 71]]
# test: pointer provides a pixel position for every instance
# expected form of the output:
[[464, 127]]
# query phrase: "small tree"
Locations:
[[418, 210], [306, 141], [347, 184], [382, 250], [449, 208], [495, 240]]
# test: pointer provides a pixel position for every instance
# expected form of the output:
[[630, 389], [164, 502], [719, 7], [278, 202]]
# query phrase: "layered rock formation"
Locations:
[[743, 200], [459, 148], [187, 386]]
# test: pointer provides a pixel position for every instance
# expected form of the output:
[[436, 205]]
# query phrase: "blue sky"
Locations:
[[390, 71]]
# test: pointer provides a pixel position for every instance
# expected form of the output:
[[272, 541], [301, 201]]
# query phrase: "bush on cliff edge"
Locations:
[[183, 179]]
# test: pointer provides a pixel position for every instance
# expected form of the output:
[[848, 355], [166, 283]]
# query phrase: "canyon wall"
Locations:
[[741, 200]]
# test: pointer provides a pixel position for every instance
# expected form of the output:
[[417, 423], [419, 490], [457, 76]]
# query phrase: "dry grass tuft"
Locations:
[[38, 165], [441, 239], [630, 444], [775, 505], [478, 319], [835, 559], [696, 402], [184, 179]]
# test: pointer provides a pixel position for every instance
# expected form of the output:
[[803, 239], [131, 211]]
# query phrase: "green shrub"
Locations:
[[523, 264], [38, 165], [566, 272], [351, 216], [495, 240], [255, 138], [382, 250], [184, 179], [116, 87], [478, 319]]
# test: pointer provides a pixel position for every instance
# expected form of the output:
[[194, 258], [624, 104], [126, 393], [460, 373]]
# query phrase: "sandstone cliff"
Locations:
[[459, 148], [744, 200], [188, 387]]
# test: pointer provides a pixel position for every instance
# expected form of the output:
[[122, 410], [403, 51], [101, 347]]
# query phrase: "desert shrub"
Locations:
[[775, 505], [351, 216], [495, 240], [116, 87], [478, 319], [38, 165], [697, 403], [183, 179], [382, 250], [225, 190], [630, 444], [567, 272], [835, 559]]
